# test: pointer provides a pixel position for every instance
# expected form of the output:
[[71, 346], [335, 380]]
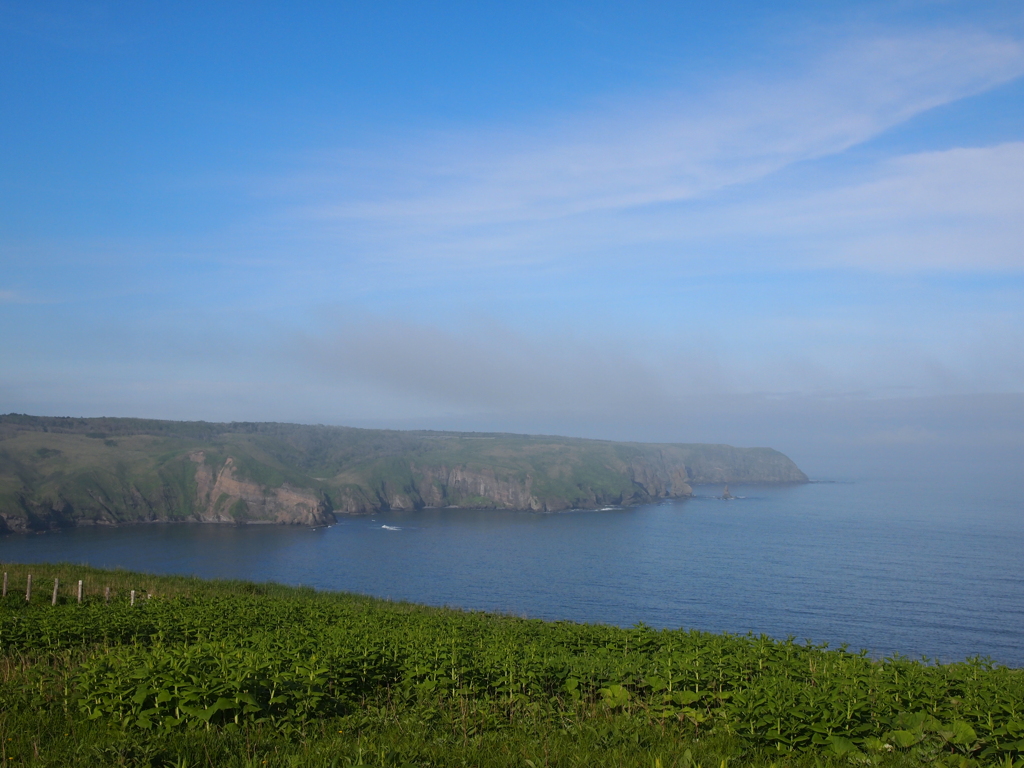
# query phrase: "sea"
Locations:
[[930, 570]]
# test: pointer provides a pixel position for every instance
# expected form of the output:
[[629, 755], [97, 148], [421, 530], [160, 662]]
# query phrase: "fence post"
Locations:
[[5, 583], [55, 585], [79, 591], [28, 589], [106, 595], [133, 597]]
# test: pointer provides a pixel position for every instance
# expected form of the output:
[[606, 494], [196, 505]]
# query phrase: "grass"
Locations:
[[233, 673]]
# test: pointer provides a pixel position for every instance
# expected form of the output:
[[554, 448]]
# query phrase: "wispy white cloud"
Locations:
[[957, 209], [961, 209], [515, 193]]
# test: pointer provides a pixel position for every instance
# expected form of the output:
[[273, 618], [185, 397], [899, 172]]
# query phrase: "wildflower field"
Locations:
[[216, 673]]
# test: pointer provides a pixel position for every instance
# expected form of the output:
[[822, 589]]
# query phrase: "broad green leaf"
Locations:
[[905, 739]]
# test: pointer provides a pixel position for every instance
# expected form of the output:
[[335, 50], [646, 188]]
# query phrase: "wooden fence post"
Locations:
[[106, 595], [55, 585], [28, 589], [5, 583], [79, 591], [133, 597]]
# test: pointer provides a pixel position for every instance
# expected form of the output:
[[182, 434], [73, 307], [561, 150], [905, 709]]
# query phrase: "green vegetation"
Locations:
[[57, 472], [241, 674]]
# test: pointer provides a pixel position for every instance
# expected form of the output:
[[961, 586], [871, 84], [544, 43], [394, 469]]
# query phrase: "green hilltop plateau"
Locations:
[[59, 472]]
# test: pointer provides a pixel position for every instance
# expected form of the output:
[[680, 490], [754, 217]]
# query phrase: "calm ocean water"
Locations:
[[932, 570]]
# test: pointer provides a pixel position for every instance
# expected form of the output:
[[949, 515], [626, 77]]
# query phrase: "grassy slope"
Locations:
[[90, 473], [399, 684], [121, 470]]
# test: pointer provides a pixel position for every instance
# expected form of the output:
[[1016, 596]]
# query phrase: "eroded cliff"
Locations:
[[544, 489], [223, 497]]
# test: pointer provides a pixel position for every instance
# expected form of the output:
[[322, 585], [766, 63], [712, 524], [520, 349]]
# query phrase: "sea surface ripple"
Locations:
[[892, 567]]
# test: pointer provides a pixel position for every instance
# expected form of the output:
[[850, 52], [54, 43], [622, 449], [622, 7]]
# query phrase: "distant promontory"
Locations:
[[59, 472]]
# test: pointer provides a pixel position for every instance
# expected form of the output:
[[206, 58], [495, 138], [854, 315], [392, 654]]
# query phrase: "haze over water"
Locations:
[[904, 567]]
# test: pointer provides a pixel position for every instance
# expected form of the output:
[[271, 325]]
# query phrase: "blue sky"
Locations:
[[678, 221]]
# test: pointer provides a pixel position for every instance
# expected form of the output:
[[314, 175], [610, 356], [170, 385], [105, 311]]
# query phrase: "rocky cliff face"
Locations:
[[448, 486], [14, 523], [441, 486], [223, 497], [488, 488], [660, 479]]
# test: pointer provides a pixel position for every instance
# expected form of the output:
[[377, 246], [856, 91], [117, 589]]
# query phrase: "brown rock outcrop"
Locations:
[[226, 498]]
